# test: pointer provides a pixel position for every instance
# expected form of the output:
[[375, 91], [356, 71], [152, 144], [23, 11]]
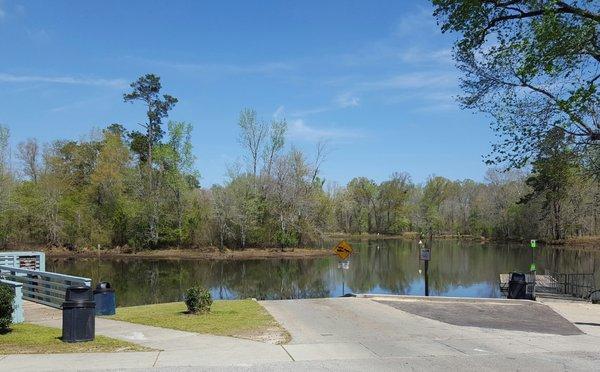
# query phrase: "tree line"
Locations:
[[123, 188]]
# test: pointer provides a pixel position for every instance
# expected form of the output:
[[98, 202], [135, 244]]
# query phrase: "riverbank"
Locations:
[[405, 236], [576, 242], [209, 254]]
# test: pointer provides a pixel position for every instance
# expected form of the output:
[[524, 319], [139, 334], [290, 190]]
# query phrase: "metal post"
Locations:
[[425, 255], [343, 282], [426, 278]]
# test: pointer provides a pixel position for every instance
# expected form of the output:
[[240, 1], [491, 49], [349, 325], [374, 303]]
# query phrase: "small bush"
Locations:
[[7, 295], [198, 300]]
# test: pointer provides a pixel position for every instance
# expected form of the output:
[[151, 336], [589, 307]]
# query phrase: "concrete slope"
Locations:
[[368, 328]]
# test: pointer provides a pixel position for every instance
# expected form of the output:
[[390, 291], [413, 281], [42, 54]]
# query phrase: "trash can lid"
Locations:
[[78, 288], [85, 304], [515, 276], [78, 293], [103, 287]]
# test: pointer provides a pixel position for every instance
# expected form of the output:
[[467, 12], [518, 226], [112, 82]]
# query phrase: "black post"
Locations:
[[426, 278], [343, 282], [430, 245]]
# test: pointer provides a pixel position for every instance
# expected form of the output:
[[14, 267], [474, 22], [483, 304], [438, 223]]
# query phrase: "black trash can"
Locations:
[[79, 322], [517, 286], [104, 296]]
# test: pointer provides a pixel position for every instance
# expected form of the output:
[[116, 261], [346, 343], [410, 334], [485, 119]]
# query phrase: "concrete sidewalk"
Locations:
[[174, 348], [349, 334]]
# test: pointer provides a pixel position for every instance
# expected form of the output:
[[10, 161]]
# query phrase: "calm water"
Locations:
[[377, 266]]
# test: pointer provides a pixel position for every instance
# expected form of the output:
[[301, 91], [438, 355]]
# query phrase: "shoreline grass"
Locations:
[[26, 338], [236, 318]]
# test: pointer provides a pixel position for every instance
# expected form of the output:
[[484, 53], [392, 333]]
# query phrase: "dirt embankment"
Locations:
[[405, 236], [195, 254]]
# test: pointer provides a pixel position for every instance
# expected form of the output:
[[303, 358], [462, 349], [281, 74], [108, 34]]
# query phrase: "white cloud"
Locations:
[[427, 101], [418, 55], [11, 78], [347, 100], [279, 112], [264, 68], [298, 129], [418, 23], [312, 111], [342, 101], [38, 35], [413, 80]]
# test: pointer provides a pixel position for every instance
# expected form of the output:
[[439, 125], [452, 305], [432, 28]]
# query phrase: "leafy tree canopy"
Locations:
[[533, 65]]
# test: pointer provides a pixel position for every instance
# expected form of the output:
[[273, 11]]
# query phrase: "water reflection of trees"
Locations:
[[153, 281], [389, 266]]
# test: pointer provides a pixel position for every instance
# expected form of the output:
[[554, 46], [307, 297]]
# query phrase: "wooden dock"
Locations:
[[561, 285]]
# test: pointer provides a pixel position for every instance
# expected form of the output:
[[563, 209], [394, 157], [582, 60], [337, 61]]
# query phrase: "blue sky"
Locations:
[[375, 79]]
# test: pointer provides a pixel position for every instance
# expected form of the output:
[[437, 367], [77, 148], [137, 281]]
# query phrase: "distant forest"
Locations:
[[140, 190]]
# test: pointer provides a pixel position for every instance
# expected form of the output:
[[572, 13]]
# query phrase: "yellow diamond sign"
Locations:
[[343, 249]]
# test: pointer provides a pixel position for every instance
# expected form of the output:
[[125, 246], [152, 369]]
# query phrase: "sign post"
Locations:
[[343, 250], [344, 265], [533, 245], [425, 256]]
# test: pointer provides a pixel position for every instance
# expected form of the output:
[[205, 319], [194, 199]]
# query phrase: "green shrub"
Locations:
[[287, 239], [198, 300], [7, 295]]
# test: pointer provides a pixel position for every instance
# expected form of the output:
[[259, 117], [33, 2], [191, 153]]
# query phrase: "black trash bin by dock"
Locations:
[[104, 296], [517, 286], [78, 323]]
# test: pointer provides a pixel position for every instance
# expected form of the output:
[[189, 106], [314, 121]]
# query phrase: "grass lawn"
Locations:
[[238, 318], [35, 339]]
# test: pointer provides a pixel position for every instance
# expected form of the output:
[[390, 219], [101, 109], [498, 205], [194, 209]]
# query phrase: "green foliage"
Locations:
[[287, 239], [554, 172], [147, 89], [105, 190], [533, 65], [198, 300], [7, 296]]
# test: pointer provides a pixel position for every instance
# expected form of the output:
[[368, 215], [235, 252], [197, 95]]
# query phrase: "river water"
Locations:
[[378, 266]]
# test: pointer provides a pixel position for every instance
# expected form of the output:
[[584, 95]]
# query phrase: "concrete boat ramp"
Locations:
[[362, 333]]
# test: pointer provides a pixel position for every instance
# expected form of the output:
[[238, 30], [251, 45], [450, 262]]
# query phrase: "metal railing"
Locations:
[[580, 285], [43, 287], [25, 260], [577, 285]]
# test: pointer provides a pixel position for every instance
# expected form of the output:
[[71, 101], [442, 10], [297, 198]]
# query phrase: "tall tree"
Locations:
[[176, 165], [5, 184], [275, 144], [252, 136], [534, 65], [29, 154], [147, 89], [554, 170]]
